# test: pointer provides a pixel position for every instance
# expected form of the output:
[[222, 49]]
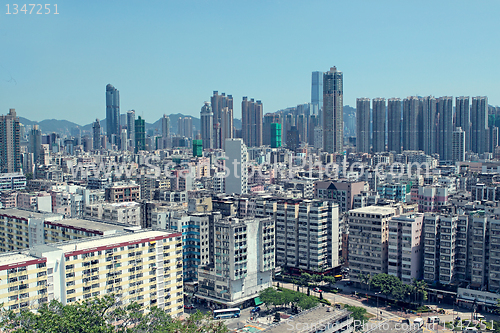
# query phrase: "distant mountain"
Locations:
[[62, 127]]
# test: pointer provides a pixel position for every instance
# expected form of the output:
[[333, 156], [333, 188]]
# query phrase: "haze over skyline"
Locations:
[[168, 57]]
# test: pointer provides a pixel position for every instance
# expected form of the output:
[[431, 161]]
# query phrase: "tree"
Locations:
[[101, 315], [365, 278], [357, 313], [388, 285], [420, 290]]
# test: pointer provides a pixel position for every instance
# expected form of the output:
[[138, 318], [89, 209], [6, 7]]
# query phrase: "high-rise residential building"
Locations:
[[311, 125], [275, 132], [363, 125], [445, 128], [180, 126], [378, 125], [479, 124], [269, 118], [428, 125], [131, 127], [251, 122], [394, 125], [188, 127], [10, 138], [165, 126], [405, 247], [458, 148], [462, 118], [317, 91], [35, 143], [222, 108], [333, 111], [124, 140], [242, 259], [292, 138], [236, 161], [410, 123], [140, 134], [440, 241], [96, 135], [112, 112], [288, 122], [307, 235], [302, 128], [207, 125], [368, 240]]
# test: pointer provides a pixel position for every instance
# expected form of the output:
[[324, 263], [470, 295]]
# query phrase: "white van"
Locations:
[[433, 320], [418, 321]]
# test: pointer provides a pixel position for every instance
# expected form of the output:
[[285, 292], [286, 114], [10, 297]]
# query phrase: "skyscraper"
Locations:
[[275, 135], [165, 126], [96, 135], [333, 111], [479, 124], [269, 118], [237, 158], [363, 125], [222, 108], [112, 112], [207, 125], [302, 127], [394, 125], [311, 125], [458, 149], [35, 143], [378, 125], [445, 128], [317, 92], [428, 134], [410, 123], [251, 122], [180, 126], [124, 140], [140, 134], [10, 138], [188, 127], [462, 118], [131, 127]]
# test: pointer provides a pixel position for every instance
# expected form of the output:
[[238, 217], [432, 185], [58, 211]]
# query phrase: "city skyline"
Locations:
[[66, 66]]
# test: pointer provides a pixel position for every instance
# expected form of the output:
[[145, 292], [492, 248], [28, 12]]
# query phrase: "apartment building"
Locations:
[[123, 193], [142, 266], [71, 229], [368, 240], [21, 229], [340, 192], [432, 198], [307, 235], [123, 212], [241, 261], [405, 247], [12, 181]]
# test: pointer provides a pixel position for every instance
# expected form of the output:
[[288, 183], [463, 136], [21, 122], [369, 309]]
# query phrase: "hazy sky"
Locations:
[[168, 56]]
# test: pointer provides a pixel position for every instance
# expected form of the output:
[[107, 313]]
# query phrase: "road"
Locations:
[[336, 298]]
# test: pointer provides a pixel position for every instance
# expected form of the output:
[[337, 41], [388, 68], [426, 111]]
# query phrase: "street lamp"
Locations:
[[377, 303]]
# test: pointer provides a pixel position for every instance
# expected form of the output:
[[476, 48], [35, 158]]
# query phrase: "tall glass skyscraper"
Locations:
[[333, 111], [112, 112], [317, 92], [140, 134]]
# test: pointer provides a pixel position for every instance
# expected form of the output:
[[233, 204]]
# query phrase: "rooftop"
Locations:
[[21, 213], [310, 320], [373, 210], [88, 225], [99, 241]]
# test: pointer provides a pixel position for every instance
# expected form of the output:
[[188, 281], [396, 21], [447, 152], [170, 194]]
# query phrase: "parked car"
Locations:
[[317, 290], [256, 309], [188, 307]]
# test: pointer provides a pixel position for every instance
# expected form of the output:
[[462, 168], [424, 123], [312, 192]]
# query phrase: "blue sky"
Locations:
[[168, 56]]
